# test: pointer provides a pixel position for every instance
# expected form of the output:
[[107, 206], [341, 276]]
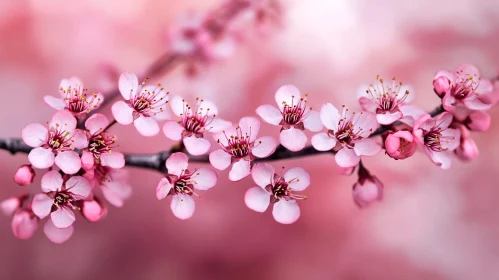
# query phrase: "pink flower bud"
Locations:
[[400, 145], [93, 210], [24, 175], [441, 85], [368, 188], [24, 224], [10, 205], [478, 121], [467, 149]]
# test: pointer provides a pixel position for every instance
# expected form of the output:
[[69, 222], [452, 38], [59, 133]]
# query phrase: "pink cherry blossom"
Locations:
[[278, 190], [144, 105], [400, 144], [194, 123], [24, 224], [386, 100], [100, 145], [24, 175], [112, 182], [54, 144], [93, 210], [56, 234], [467, 149], [478, 121], [436, 138], [293, 116], [74, 98], [367, 189], [60, 197], [181, 183], [465, 87], [349, 132], [240, 147]]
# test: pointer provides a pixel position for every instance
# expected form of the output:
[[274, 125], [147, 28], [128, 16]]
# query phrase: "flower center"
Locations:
[[387, 97], [238, 145], [432, 140], [294, 113], [62, 198], [149, 103], [348, 132], [184, 185], [280, 190], [78, 101], [59, 140], [196, 119], [464, 86], [404, 145], [101, 143]]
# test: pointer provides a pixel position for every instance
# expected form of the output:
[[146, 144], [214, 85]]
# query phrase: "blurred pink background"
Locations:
[[433, 224]]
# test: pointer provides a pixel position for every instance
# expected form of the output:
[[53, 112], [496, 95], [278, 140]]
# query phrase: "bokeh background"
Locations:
[[432, 224]]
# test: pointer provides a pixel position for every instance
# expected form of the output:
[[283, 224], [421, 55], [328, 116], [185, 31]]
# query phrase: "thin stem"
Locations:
[[110, 125]]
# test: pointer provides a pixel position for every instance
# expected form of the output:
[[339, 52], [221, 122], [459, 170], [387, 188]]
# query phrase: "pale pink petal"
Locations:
[[79, 187], [35, 135], [263, 174], [484, 86], [63, 217], [477, 104], [251, 126], [207, 108], [9, 206], [346, 158], [163, 188], [298, 178], [80, 140], [178, 105], [54, 102], [204, 179], [96, 123], [388, 118], [447, 102], [196, 146], [122, 113], [147, 126], [450, 139], [220, 159], [286, 211], [63, 121], [292, 139], [51, 181], [69, 162], [41, 158], [173, 130], [42, 205], [424, 122], [114, 160], [313, 121], [182, 206], [221, 137], [240, 169], [177, 163], [322, 142], [66, 84], [367, 147], [330, 116], [443, 120], [24, 225], [367, 122], [441, 159], [264, 146], [164, 113], [128, 84], [410, 113], [257, 199], [93, 210], [218, 125], [367, 104], [55, 234], [87, 160], [362, 91], [116, 193], [468, 70], [446, 74], [287, 94], [269, 114]]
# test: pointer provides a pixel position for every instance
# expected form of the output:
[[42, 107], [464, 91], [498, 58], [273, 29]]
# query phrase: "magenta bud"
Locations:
[[93, 210], [10, 205], [400, 145], [24, 175], [478, 121], [368, 188], [467, 150], [24, 224], [441, 85]]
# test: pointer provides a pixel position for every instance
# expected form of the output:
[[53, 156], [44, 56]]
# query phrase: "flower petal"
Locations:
[[287, 94], [322, 142], [42, 205], [24, 225], [264, 146], [87, 160], [147, 126], [204, 179], [51, 181], [313, 121], [55, 234], [114, 160], [63, 121], [163, 188], [122, 113], [477, 104], [54, 102], [269, 114], [80, 140], [293, 139], [178, 105], [347, 158], [298, 178], [250, 126], [10, 205], [388, 118], [263, 174], [35, 135], [367, 147], [182, 206], [63, 217], [240, 169], [69, 162], [128, 84], [367, 104], [257, 199], [177, 163], [116, 193], [93, 210], [441, 159], [443, 120], [286, 211], [367, 122], [196, 146], [330, 116], [173, 130], [218, 125], [450, 139], [79, 187], [96, 123], [220, 159], [41, 157]]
